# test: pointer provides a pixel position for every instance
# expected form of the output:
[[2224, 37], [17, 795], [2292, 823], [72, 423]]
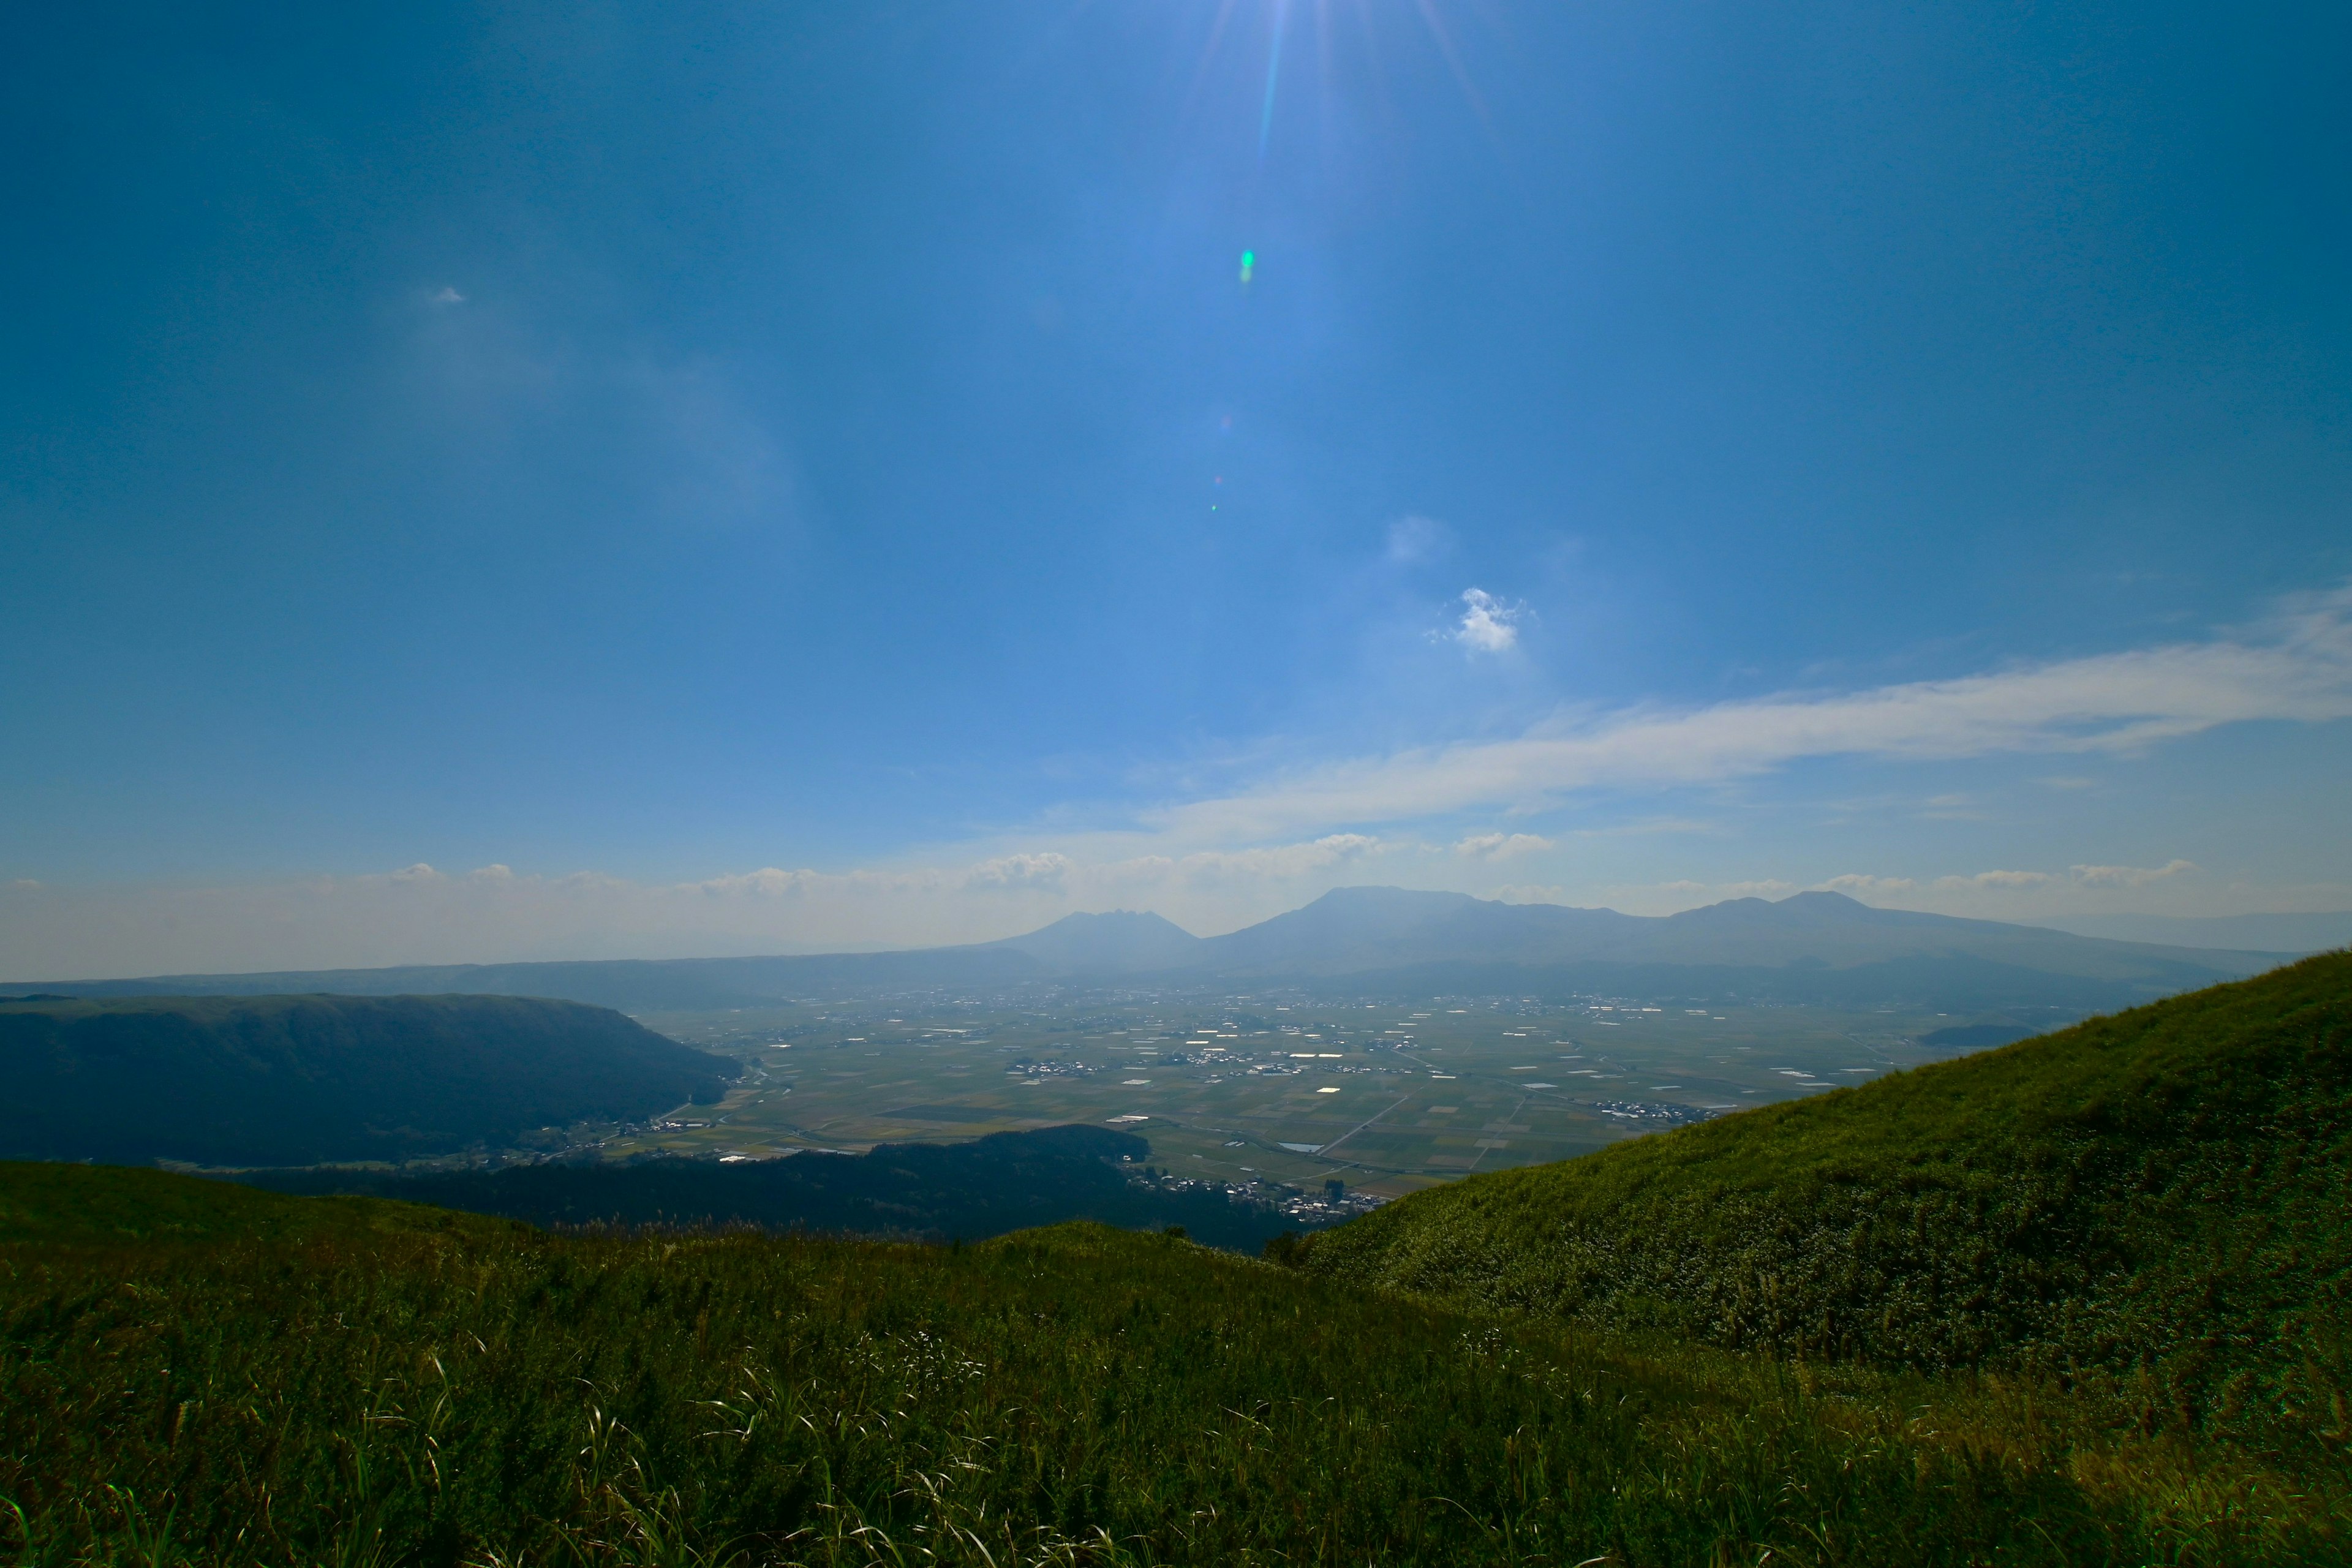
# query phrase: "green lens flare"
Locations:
[[1249, 260]]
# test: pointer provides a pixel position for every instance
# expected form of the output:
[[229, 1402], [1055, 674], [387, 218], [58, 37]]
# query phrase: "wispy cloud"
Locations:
[[682, 432], [2000, 880], [2298, 668], [1416, 539]]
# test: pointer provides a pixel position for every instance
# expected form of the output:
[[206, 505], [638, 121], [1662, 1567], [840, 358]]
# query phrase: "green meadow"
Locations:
[[386, 1386], [2080, 1301]]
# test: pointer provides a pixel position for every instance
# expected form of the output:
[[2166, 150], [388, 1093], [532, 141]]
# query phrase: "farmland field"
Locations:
[[1388, 1098]]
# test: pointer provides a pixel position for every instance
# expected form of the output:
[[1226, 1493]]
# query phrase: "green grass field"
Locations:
[[2079, 1300], [376, 1387]]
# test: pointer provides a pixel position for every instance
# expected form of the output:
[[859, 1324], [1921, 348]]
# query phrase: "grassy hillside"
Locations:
[[378, 1394], [284, 1081], [2153, 1202], [45, 1208]]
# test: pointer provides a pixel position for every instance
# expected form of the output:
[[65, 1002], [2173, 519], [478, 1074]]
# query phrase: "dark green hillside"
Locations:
[[1006, 1181], [2155, 1201], [284, 1081], [1069, 1397]]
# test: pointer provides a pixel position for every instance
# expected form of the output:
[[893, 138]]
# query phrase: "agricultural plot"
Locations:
[[1284, 1088]]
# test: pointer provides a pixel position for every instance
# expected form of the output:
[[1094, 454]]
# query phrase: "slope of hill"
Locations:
[[282, 1081], [1812, 947], [48, 1206], [967, 1191], [1074, 1396], [2155, 1200]]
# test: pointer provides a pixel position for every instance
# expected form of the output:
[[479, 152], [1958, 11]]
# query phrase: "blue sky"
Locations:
[[542, 481]]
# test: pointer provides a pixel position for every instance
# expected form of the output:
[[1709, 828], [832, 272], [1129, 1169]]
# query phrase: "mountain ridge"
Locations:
[[1815, 945]]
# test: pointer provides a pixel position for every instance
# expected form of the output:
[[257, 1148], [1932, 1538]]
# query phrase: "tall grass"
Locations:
[[1069, 1397]]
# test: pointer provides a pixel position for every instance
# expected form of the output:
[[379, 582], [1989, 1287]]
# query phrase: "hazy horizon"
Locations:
[[529, 484], [2282, 933]]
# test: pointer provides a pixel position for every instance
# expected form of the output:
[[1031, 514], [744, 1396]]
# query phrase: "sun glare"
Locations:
[[1267, 32]]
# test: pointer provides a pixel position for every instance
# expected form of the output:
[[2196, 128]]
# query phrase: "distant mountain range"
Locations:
[[1812, 947]]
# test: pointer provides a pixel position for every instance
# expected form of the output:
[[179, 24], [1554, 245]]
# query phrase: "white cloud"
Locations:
[[1501, 846], [1854, 885], [1487, 624], [1046, 870], [2119, 703], [2128, 875], [448, 297], [1998, 879]]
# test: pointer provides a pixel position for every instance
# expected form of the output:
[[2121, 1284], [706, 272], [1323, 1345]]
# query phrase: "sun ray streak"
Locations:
[[1209, 52], [1436, 25], [1273, 75]]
